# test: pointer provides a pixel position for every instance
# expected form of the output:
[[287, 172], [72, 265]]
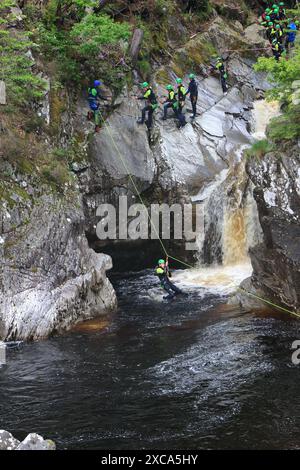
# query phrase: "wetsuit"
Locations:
[[223, 75], [291, 35], [94, 94], [193, 91], [150, 107], [277, 50], [181, 92], [170, 103], [166, 284]]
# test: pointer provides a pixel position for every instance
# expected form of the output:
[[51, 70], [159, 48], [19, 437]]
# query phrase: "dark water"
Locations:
[[188, 374]]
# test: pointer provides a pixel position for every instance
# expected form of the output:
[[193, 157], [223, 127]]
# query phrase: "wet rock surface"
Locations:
[[32, 442], [276, 261], [50, 278]]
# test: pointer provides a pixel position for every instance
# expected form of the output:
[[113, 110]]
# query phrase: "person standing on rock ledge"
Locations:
[[151, 104], [170, 102], [223, 75], [193, 92], [180, 95]]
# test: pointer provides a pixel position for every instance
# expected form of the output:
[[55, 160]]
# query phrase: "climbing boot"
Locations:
[[140, 121]]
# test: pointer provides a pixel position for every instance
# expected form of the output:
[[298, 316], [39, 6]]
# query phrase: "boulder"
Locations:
[[36, 442], [7, 441]]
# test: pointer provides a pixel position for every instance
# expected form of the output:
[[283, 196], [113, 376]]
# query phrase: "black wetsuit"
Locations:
[[166, 284], [193, 91]]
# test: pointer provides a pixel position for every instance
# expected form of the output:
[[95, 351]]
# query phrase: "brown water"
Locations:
[[186, 374]]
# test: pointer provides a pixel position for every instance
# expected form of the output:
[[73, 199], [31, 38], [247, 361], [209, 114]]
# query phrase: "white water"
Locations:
[[263, 112], [215, 279]]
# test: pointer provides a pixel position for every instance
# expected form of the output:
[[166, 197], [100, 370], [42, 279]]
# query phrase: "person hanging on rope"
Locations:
[[151, 104], [170, 102], [163, 272], [223, 75], [94, 95], [193, 92]]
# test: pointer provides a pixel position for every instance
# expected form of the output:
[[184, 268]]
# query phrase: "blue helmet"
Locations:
[[97, 83]]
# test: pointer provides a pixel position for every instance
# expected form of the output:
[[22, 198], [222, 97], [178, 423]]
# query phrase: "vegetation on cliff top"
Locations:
[[285, 78]]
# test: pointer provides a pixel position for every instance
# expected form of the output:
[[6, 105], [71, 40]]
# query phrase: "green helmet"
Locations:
[[145, 85], [268, 10], [274, 6], [169, 87], [277, 26], [276, 10], [268, 18], [192, 75], [178, 80], [161, 261], [281, 4], [270, 23]]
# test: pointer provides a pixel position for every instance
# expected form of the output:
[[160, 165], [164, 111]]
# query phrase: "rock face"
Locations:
[[49, 276], [276, 261], [32, 442]]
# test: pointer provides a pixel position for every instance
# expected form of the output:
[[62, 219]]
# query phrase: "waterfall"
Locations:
[[231, 218]]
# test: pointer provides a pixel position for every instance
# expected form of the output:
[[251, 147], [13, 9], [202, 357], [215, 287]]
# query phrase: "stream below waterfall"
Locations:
[[192, 373]]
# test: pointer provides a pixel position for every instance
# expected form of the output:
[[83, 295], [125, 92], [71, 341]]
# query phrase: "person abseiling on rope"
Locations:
[[170, 102], [151, 104], [223, 75], [163, 272], [94, 94], [180, 96], [193, 92]]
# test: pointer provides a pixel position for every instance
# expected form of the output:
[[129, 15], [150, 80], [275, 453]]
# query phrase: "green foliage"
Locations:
[[281, 74], [286, 126], [23, 86], [259, 149], [95, 31]]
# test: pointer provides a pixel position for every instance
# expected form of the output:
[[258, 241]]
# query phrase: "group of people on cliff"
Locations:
[[280, 29], [174, 100]]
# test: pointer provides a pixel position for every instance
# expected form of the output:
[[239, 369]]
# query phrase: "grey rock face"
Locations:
[[276, 261], [50, 278]]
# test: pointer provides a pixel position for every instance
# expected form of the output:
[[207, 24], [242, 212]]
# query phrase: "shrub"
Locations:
[[259, 149]]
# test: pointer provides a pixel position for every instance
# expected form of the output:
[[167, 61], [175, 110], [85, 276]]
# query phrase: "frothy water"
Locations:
[[263, 112], [220, 280]]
